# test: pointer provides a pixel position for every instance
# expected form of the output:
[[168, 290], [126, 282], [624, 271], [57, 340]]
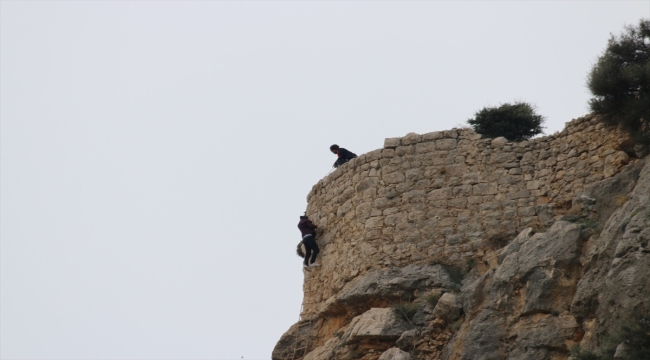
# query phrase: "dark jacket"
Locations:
[[346, 154], [306, 226]]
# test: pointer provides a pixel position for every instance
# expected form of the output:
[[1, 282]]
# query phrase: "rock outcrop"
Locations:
[[448, 246]]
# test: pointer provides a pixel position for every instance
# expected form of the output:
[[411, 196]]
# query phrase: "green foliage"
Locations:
[[515, 122], [405, 310], [635, 337], [637, 343], [456, 325], [456, 275], [497, 240], [587, 221], [432, 298], [620, 81], [579, 354], [592, 224]]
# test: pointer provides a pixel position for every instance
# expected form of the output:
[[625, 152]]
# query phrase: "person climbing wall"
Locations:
[[308, 231], [343, 154]]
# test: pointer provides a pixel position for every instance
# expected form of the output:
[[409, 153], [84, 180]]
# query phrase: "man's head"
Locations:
[[334, 148]]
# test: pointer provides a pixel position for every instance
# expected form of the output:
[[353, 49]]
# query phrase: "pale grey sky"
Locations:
[[156, 155]]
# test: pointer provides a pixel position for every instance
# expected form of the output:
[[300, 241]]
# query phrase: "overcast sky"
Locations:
[[156, 155]]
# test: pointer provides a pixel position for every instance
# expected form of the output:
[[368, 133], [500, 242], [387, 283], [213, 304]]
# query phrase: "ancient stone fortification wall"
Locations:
[[438, 197]]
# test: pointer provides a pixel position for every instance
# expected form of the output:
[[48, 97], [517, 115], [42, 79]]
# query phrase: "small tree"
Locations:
[[515, 122], [620, 81]]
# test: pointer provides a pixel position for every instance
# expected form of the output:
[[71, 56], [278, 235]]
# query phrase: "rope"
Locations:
[[333, 168]]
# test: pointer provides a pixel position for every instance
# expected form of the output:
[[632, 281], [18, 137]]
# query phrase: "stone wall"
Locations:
[[440, 197]]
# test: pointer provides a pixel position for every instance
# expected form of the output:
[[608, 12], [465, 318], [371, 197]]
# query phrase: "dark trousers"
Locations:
[[340, 161], [311, 249]]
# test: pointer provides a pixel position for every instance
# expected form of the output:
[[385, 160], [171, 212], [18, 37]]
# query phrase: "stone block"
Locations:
[[385, 202], [475, 200], [453, 133], [373, 234], [376, 324], [459, 203], [404, 150], [413, 174], [425, 147], [526, 211], [414, 196], [393, 178], [463, 190], [498, 142], [391, 143], [411, 138], [518, 195], [374, 155], [443, 193], [484, 189], [446, 144], [388, 153], [456, 170], [374, 222], [510, 214], [534, 185], [432, 136], [395, 354], [449, 307], [363, 210], [470, 179], [366, 184]]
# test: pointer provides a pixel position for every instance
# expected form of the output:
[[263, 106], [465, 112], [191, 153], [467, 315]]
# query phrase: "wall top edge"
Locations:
[[458, 134]]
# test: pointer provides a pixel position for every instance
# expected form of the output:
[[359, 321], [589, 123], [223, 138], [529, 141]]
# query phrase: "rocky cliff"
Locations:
[[449, 246]]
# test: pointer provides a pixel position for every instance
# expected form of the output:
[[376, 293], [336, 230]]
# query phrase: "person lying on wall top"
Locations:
[[343, 154], [308, 232]]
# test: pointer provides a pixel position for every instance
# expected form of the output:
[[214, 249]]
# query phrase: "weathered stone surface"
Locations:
[[391, 143], [446, 144], [386, 286], [449, 307], [395, 354], [407, 339], [499, 142], [615, 285], [323, 352], [537, 276], [484, 339], [411, 138], [286, 345], [453, 198], [376, 324]]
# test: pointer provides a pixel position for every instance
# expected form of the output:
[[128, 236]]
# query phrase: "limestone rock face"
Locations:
[[297, 336], [615, 288], [395, 354], [525, 298], [449, 307], [492, 249], [376, 323], [386, 286]]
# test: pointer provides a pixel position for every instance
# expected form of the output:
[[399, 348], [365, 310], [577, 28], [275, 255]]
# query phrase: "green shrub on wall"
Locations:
[[620, 81], [515, 122]]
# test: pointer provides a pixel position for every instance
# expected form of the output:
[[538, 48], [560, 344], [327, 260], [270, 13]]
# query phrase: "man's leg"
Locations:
[[307, 253], [314, 253], [313, 247]]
